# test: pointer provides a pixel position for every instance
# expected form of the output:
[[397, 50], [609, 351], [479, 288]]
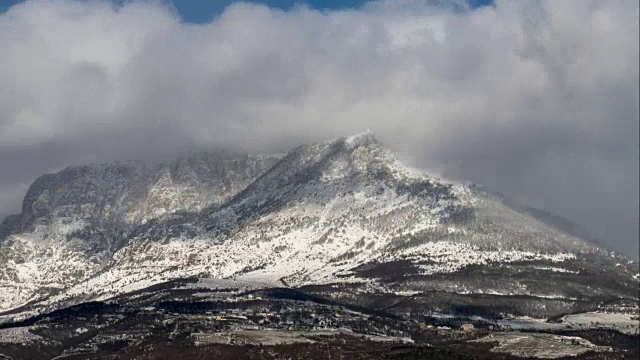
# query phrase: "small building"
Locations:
[[467, 327]]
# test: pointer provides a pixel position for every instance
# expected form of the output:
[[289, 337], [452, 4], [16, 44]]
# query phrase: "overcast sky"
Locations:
[[535, 99]]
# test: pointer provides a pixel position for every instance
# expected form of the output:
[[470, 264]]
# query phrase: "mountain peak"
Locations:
[[361, 138]]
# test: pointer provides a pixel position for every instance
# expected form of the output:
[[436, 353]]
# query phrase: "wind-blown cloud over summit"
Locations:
[[536, 99]]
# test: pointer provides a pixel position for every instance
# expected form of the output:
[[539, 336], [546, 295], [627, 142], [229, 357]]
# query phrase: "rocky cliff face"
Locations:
[[73, 222], [342, 218]]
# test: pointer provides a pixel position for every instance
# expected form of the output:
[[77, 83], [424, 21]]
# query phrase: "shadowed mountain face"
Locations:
[[341, 219]]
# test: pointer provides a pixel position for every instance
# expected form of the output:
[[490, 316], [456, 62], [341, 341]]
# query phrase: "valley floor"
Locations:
[[176, 323]]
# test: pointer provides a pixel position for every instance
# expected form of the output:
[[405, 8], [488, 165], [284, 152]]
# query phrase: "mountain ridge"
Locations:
[[332, 214]]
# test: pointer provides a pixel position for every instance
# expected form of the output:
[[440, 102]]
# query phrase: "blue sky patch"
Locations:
[[202, 11]]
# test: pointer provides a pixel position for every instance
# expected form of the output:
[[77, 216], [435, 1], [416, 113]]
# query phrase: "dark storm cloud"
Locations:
[[536, 99]]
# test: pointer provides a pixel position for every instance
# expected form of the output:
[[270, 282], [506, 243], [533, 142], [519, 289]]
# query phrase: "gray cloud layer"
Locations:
[[536, 99]]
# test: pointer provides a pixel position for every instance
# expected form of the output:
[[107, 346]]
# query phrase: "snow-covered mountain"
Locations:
[[343, 219]]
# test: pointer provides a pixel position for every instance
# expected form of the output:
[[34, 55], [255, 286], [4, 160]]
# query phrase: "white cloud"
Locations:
[[510, 95]]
